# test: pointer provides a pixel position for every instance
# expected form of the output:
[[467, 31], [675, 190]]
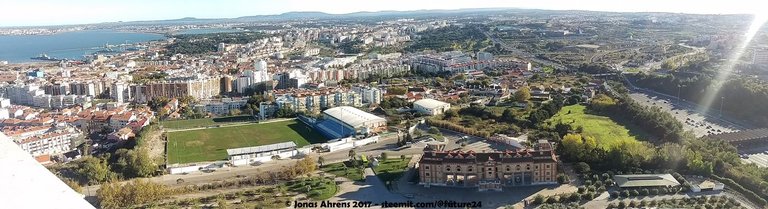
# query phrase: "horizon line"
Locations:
[[364, 11]]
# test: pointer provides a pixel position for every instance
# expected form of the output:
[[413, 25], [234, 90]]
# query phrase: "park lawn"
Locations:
[[391, 169], [203, 122], [338, 169], [211, 144], [319, 188], [607, 132]]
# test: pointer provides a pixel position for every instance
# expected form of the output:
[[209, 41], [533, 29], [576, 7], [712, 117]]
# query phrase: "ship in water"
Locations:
[[45, 57]]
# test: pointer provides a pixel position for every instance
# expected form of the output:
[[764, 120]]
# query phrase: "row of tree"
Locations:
[[113, 194], [457, 128], [133, 193], [651, 119]]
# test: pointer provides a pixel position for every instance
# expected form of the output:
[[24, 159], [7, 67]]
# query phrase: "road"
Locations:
[[700, 122], [649, 66], [692, 120]]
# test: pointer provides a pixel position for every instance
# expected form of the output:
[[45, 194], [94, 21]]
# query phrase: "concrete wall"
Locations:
[[188, 169]]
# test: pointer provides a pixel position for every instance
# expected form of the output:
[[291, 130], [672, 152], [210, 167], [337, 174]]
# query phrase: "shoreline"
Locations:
[[15, 60]]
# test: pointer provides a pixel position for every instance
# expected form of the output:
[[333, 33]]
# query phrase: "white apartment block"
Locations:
[[222, 106], [53, 142], [369, 95], [315, 100]]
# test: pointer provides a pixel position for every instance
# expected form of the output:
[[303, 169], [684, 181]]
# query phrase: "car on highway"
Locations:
[[744, 156]]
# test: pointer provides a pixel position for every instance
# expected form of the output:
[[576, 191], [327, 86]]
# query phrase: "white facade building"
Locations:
[[52, 142], [431, 106], [223, 106], [369, 95], [264, 153]]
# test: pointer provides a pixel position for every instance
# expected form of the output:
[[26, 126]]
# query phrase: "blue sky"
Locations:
[[55, 12]]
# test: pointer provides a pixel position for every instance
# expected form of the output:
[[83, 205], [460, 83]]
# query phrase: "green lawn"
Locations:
[[607, 132], [338, 169], [203, 122], [211, 144], [319, 188], [391, 169]]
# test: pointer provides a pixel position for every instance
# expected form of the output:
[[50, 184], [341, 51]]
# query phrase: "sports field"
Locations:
[[607, 132], [211, 144]]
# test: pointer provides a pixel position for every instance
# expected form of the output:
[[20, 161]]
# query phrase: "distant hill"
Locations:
[[312, 15]]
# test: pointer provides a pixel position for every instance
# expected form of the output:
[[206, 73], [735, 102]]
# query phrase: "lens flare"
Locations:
[[725, 72]]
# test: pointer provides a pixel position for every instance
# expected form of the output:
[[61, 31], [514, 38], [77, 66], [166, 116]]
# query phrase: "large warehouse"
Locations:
[[431, 106], [344, 121]]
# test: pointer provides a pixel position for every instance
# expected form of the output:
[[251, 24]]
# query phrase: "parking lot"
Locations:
[[692, 119], [701, 124], [759, 159]]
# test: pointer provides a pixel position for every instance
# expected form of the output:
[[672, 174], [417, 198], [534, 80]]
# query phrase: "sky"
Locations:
[[58, 12]]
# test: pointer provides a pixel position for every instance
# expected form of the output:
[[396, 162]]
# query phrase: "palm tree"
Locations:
[[320, 160], [402, 157]]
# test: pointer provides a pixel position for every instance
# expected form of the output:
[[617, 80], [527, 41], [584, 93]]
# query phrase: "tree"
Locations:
[[523, 94], [304, 166], [136, 192], [572, 146], [157, 103], [614, 194], [574, 197], [384, 156], [285, 112], [74, 185], [235, 112], [95, 170], [508, 115], [562, 128], [402, 157], [351, 154], [321, 160], [582, 168], [434, 130], [397, 90], [135, 163], [601, 102], [450, 113], [574, 99]]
